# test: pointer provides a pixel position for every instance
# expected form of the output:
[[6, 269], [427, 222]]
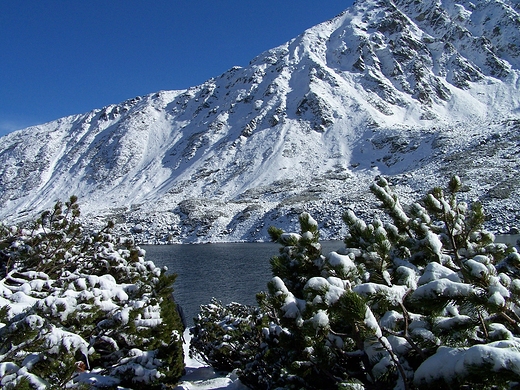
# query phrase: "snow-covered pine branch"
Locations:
[[83, 309], [424, 299]]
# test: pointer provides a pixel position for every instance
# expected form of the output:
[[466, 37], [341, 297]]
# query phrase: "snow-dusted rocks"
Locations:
[[417, 91]]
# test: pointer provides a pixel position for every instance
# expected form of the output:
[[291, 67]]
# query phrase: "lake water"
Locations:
[[230, 272]]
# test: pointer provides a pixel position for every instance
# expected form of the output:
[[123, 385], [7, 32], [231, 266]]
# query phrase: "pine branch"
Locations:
[[407, 337], [484, 327], [400, 368], [512, 322]]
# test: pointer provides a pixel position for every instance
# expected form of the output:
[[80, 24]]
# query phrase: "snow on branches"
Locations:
[[422, 298], [81, 309]]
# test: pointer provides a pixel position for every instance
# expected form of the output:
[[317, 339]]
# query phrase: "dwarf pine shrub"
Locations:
[[83, 310], [420, 298]]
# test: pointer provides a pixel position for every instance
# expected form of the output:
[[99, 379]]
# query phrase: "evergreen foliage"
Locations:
[[83, 309], [423, 298], [226, 335]]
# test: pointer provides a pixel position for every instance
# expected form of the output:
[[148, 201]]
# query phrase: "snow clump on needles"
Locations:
[[80, 309]]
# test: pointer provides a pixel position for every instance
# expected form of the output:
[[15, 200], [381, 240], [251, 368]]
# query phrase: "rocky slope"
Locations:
[[414, 90]]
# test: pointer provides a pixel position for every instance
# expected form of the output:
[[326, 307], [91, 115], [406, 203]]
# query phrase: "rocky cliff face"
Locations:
[[413, 90]]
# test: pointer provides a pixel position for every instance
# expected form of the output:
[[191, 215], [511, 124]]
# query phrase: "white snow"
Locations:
[[393, 294], [202, 377], [444, 288], [344, 262], [434, 271], [477, 269], [327, 290], [371, 323], [292, 305], [320, 319], [434, 243], [390, 319], [317, 283], [497, 299], [450, 363]]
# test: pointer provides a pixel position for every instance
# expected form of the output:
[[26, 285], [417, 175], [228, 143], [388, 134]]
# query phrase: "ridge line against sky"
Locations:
[[65, 57]]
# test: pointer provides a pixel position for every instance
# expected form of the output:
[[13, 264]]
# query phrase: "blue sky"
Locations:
[[64, 57]]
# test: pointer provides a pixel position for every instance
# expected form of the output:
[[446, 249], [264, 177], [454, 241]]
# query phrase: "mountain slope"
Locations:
[[413, 90]]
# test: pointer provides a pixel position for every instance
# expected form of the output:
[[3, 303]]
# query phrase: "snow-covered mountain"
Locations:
[[414, 90]]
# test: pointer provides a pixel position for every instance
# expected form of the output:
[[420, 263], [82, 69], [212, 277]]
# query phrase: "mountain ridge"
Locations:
[[415, 91]]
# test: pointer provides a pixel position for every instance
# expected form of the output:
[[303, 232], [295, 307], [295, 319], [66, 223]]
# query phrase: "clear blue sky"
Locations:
[[63, 57]]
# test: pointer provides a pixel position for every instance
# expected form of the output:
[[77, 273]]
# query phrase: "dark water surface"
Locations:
[[511, 239], [230, 272]]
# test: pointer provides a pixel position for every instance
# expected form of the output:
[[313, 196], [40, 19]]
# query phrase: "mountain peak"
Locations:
[[408, 89]]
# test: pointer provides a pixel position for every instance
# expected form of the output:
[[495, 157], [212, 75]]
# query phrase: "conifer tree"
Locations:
[[226, 337], [432, 278], [82, 308], [297, 337]]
